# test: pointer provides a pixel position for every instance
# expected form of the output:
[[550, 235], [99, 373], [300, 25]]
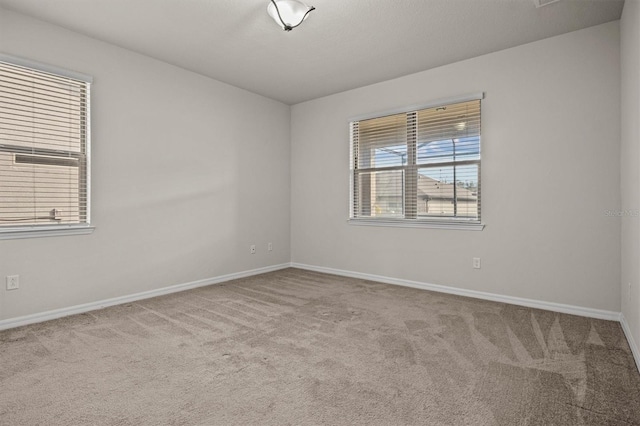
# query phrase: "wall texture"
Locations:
[[630, 164], [187, 173], [551, 152]]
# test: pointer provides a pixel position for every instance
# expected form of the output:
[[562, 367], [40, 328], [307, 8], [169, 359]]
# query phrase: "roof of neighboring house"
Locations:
[[428, 188], [433, 189]]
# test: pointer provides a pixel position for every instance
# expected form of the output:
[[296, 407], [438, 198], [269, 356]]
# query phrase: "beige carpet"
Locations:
[[300, 348]]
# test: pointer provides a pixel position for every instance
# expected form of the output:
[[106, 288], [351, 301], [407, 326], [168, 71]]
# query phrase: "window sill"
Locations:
[[462, 226], [44, 231]]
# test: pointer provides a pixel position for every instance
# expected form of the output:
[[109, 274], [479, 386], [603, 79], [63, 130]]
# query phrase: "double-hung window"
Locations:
[[419, 167], [44, 150]]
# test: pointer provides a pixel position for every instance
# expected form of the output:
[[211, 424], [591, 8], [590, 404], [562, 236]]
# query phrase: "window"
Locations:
[[419, 167], [44, 150]]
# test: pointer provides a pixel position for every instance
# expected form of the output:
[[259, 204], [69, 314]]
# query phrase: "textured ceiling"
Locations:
[[343, 44]]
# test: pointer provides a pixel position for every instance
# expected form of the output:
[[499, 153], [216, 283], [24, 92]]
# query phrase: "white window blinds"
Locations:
[[419, 166], [44, 147]]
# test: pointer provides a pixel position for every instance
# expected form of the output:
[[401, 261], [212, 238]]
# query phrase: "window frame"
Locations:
[[48, 230], [430, 222]]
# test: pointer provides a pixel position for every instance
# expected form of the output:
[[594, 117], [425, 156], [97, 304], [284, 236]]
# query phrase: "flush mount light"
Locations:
[[288, 13]]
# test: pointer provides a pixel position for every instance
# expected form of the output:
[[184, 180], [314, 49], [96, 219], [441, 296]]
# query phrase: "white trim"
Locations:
[[87, 153], [549, 306], [92, 306], [431, 104], [44, 231], [49, 69], [632, 343], [410, 223], [531, 303], [37, 231]]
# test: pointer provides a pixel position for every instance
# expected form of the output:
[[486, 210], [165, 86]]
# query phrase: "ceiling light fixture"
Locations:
[[288, 13]]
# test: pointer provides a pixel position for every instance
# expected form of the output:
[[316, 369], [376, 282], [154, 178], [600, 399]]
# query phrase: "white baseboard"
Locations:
[[531, 303], [92, 306], [632, 343], [550, 306]]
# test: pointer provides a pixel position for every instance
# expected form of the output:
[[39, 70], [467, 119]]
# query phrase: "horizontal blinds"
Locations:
[[449, 133], [382, 144], [43, 147], [448, 151], [383, 141], [418, 165], [449, 122]]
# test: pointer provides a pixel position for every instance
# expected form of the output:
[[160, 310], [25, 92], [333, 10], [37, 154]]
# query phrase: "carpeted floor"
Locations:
[[299, 348]]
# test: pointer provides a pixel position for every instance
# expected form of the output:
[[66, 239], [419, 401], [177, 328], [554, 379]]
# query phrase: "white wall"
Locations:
[[630, 163], [215, 184], [187, 173], [551, 152]]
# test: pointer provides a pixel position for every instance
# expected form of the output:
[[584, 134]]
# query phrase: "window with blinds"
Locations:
[[44, 147], [419, 166]]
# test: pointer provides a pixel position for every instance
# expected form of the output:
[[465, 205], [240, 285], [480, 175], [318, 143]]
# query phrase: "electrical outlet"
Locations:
[[252, 249], [476, 263], [13, 282], [269, 246]]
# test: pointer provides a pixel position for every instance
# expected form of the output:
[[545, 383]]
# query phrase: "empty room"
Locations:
[[283, 212]]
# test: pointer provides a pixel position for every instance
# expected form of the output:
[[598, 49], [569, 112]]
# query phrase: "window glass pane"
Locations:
[[435, 191], [39, 193], [420, 164], [448, 122], [390, 156], [41, 111], [382, 142], [380, 194], [467, 148], [43, 148], [467, 191], [440, 151], [437, 195], [435, 152]]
